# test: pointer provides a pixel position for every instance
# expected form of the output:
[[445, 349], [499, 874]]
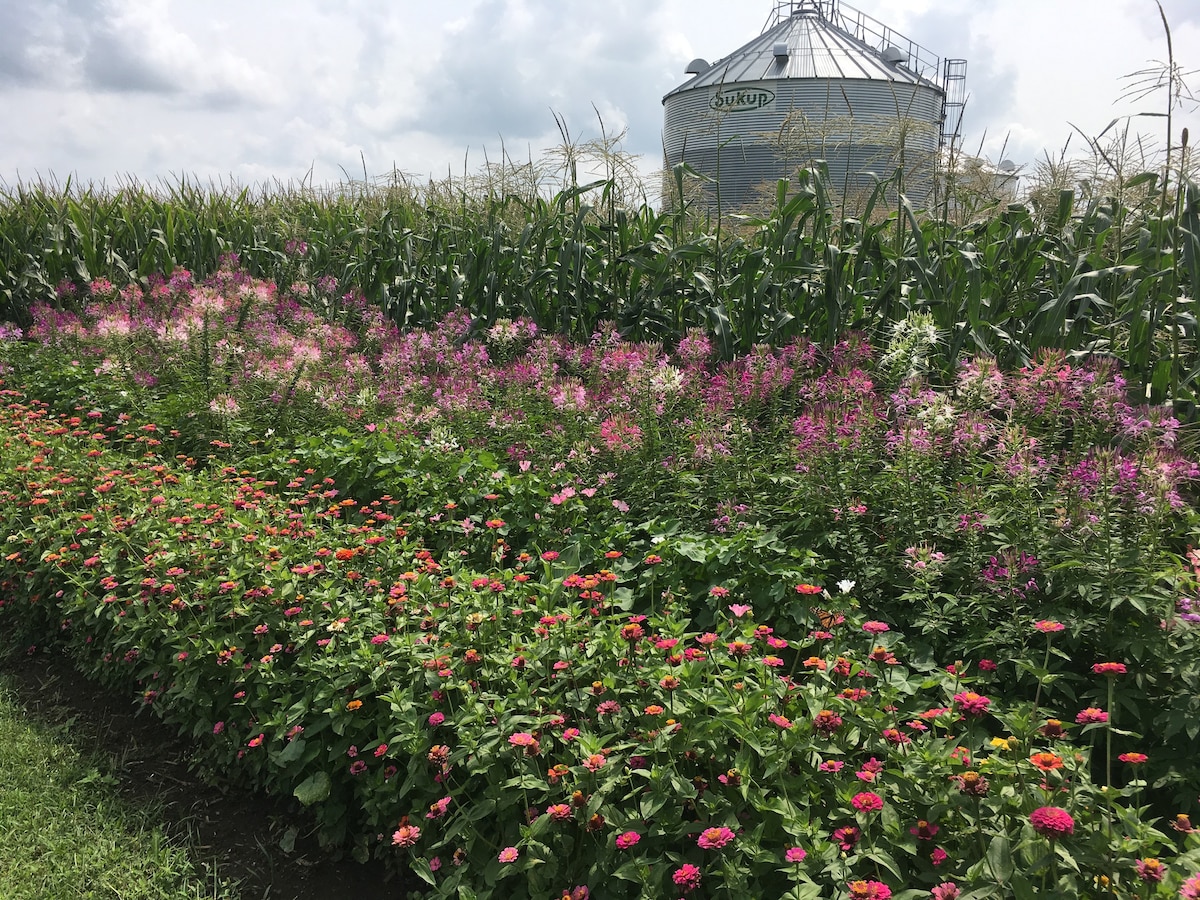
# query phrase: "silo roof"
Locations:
[[816, 48]]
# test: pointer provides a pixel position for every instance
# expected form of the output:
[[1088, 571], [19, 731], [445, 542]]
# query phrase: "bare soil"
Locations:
[[235, 833]]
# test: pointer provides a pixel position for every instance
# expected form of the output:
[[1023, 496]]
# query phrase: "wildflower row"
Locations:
[[510, 730]]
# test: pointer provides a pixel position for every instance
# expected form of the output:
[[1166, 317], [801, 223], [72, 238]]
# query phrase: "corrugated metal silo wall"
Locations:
[[852, 124]]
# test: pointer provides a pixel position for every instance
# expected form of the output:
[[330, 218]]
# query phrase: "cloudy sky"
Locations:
[[257, 90]]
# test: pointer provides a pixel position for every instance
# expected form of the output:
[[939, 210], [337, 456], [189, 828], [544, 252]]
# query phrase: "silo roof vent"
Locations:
[[894, 55], [781, 50], [697, 66]]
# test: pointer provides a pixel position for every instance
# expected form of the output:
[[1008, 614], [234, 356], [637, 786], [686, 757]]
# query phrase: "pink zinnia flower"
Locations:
[[406, 835], [714, 838], [869, 890], [738, 609], [509, 855], [1049, 626], [795, 854], [782, 721], [438, 808], [1091, 715], [847, 837], [1190, 889], [1109, 668], [627, 840], [947, 890], [972, 703], [924, 831], [831, 765], [436, 719], [867, 802], [1150, 870], [1134, 759], [873, 627], [1052, 822], [687, 877]]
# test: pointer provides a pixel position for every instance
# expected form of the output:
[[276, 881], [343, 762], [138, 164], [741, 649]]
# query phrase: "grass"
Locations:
[[65, 833]]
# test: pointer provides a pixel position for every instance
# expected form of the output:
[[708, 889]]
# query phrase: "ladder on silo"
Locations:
[[954, 84]]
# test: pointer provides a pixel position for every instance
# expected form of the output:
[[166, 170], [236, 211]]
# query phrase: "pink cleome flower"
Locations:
[[1052, 822], [714, 838]]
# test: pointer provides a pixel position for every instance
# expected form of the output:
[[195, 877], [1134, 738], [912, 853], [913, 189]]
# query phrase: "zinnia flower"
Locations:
[[867, 802], [1109, 668], [1190, 889], [1052, 822], [847, 837], [1091, 715], [1046, 761], [509, 855], [1150, 870], [627, 840], [869, 890], [1049, 626], [795, 854], [687, 877], [947, 890], [971, 703], [714, 838], [406, 835], [1134, 759]]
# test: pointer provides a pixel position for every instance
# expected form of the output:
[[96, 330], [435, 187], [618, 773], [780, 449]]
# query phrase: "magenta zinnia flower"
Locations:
[[869, 890], [687, 877], [1190, 890], [714, 838], [1052, 822], [1134, 759], [627, 840], [971, 703], [947, 890], [795, 854], [867, 802], [1109, 668], [1091, 715]]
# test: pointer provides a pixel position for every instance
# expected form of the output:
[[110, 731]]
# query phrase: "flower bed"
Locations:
[[510, 728]]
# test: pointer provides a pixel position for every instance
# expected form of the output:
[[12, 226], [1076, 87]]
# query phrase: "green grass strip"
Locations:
[[65, 834]]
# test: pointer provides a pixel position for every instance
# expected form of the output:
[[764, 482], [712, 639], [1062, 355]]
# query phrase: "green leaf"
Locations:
[[999, 857], [313, 789]]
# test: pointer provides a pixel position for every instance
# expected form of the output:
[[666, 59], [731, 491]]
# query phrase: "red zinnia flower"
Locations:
[[1046, 761], [1134, 759], [1109, 668], [1052, 822]]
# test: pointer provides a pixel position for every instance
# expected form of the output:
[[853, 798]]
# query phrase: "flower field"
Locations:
[[539, 617]]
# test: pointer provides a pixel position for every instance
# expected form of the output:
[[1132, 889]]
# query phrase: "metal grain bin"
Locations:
[[822, 82]]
